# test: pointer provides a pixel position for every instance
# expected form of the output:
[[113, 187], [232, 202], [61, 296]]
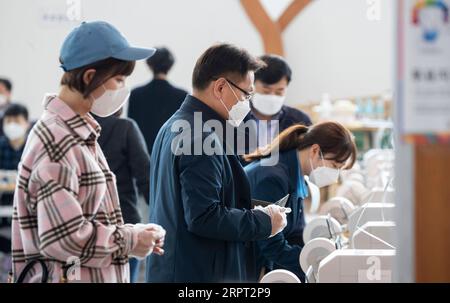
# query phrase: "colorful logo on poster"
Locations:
[[430, 15]]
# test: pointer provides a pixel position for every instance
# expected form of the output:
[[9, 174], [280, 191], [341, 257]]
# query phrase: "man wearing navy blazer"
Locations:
[[203, 199]]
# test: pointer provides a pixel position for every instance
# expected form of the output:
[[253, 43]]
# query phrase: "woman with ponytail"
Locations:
[[320, 152]]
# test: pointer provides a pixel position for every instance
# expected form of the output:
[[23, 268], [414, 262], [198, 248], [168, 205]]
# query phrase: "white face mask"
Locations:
[[3, 99], [110, 102], [238, 112], [14, 131], [268, 105], [323, 175]]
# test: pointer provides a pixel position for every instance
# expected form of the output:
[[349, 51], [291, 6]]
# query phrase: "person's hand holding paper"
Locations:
[[276, 211]]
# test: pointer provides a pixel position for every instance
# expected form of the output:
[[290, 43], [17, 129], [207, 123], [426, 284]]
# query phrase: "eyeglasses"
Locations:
[[247, 95]]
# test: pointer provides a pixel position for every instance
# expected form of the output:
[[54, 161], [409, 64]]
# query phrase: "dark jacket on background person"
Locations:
[[271, 183], [9, 160], [152, 105], [2, 112], [287, 117], [203, 201], [126, 154], [9, 157]]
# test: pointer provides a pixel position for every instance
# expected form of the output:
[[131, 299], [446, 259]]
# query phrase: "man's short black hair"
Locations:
[[7, 83], [15, 110], [162, 61], [275, 70], [223, 60]]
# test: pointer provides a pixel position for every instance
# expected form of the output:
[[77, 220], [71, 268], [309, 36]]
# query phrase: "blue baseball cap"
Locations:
[[95, 41]]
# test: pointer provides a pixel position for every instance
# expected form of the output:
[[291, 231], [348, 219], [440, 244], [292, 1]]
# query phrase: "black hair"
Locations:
[[15, 110], [275, 70], [7, 83], [162, 61], [222, 60]]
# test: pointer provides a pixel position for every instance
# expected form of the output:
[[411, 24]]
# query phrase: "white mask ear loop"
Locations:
[[232, 90], [323, 159], [221, 100], [310, 163], [310, 160]]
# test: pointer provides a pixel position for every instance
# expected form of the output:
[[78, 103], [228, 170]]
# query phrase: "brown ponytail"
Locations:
[[332, 137]]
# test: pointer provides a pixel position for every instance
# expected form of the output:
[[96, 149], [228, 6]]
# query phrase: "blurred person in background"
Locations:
[[12, 143], [268, 103], [152, 104]]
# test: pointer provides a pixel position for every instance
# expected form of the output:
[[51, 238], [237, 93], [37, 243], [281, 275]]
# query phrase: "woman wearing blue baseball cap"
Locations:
[[67, 216]]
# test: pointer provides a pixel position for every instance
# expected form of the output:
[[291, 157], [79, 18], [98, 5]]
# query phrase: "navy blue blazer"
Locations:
[[271, 183], [204, 203]]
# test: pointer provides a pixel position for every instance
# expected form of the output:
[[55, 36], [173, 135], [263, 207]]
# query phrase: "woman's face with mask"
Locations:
[[322, 171], [15, 127], [318, 159], [110, 96], [113, 83]]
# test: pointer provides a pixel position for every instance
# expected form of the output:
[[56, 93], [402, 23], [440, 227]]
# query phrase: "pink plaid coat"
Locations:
[[66, 206]]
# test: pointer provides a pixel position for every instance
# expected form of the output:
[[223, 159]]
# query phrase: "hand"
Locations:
[[150, 239], [159, 243], [277, 216]]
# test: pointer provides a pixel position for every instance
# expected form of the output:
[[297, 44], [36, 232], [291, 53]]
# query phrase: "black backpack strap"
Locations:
[[29, 266]]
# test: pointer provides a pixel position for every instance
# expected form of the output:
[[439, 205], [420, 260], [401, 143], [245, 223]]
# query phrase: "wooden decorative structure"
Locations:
[[270, 30]]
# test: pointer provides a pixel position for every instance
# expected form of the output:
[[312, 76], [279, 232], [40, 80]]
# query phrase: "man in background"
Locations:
[[153, 104], [15, 127], [268, 104]]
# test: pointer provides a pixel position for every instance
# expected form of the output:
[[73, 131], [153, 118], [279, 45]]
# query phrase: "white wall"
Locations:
[[331, 46]]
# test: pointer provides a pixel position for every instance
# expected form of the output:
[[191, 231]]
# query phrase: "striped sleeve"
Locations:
[[63, 231]]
